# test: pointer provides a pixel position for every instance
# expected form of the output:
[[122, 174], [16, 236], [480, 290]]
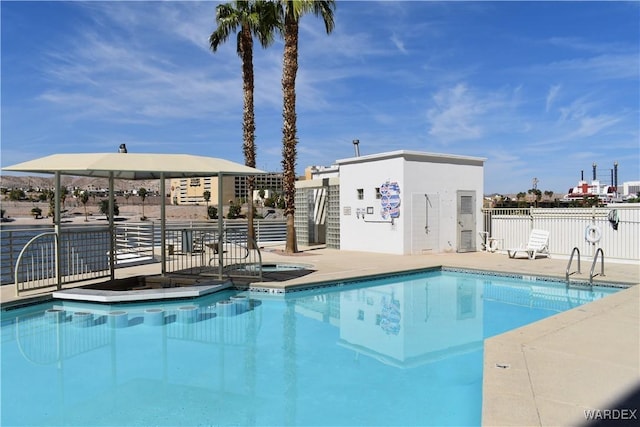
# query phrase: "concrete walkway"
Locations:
[[544, 374]]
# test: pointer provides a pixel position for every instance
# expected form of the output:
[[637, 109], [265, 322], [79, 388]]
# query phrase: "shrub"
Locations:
[[234, 211], [104, 208], [212, 212]]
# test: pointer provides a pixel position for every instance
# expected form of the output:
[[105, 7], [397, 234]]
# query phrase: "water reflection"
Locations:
[[409, 324]]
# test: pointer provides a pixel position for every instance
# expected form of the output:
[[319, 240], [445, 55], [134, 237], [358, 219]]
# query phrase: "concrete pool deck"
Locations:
[[544, 374]]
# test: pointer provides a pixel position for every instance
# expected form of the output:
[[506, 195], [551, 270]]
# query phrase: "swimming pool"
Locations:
[[401, 350]]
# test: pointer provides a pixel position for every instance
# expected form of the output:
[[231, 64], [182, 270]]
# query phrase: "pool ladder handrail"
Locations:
[[567, 274], [593, 265]]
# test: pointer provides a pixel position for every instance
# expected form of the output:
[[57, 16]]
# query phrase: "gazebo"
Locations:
[[132, 166]]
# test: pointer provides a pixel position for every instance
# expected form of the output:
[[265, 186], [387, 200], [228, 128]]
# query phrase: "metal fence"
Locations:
[[510, 228], [201, 251], [84, 249], [83, 255]]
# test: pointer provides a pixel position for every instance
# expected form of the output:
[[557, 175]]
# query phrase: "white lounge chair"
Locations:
[[538, 245]]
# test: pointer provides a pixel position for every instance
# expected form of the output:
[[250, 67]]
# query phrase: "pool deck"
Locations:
[[544, 374]]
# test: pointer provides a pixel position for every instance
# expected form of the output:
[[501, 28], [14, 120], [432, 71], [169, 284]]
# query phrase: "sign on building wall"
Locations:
[[390, 200]]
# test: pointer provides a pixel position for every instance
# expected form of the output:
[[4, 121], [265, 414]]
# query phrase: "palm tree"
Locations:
[[252, 18], [292, 11], [84, 198], [206, 195], [142, 192]]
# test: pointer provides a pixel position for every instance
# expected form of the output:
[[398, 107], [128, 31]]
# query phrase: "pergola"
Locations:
[[132, 166]]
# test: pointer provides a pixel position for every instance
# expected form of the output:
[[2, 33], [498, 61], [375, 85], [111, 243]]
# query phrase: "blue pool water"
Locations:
[[396, 351]]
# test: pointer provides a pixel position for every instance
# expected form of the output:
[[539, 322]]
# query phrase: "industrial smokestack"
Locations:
[[612, 177], [356, 147], [615, 175], [594, 171]]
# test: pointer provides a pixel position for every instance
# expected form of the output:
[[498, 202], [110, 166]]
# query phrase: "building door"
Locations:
[[466, 221]]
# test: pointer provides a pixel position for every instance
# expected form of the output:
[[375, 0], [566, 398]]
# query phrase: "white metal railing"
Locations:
[[567, 226], [84, 249], [83, 254], [36, 265]]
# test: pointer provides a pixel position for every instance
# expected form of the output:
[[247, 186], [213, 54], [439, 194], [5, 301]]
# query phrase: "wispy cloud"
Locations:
[[551, 96], [599, 67], [398, 43], [590, 126], [580, 44], [103, 74], [459, 113]]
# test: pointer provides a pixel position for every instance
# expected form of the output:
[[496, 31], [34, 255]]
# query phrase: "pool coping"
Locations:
[[269, 288], [531, 376]]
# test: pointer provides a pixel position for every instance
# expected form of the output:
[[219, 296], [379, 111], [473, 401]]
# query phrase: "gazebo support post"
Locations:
[[56, 229], [112, 237], [163, 228], [220, 227]]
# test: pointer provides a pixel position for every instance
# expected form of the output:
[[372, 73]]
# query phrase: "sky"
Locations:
[[540, 89]]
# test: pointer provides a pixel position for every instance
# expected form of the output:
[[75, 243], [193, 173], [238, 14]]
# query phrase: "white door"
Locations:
[[466, 221]]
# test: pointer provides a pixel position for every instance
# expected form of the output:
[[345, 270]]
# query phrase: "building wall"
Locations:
[[441, 181], [189, 191], [333, 215], [631, 188], [316, 216], [363, 227], [272, 182]]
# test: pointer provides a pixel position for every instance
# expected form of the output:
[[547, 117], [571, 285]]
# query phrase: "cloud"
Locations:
[[580, 44], [594, 125], [102, 73], [459, 113], [454, 115], [551, 96], [622, 66], [398, 43], [577, 109]]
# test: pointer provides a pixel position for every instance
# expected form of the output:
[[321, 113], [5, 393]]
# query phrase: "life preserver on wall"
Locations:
[[592, 234]]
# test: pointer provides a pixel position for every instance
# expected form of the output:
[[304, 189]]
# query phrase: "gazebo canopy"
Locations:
[[133, 165]]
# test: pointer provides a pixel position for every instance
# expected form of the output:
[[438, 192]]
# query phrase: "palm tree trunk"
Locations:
[[289, 132], [249, 123]]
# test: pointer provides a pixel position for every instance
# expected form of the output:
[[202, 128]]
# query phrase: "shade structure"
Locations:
[[133, 166]]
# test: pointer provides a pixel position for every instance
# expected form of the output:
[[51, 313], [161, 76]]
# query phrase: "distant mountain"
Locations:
[[36, 182]]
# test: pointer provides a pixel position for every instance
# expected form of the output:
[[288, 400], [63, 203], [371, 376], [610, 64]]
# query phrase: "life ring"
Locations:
[[592, 234]]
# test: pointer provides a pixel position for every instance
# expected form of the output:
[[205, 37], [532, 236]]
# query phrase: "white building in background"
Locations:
[[630, 188], [399, 202]]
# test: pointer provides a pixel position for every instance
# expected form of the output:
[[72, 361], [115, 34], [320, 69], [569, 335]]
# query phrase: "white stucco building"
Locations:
[[408, 202]]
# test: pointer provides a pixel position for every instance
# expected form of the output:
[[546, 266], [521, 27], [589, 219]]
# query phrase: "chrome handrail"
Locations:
[[567, 274], [593, 265]]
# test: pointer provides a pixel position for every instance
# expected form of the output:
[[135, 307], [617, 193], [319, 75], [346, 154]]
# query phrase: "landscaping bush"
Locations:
[[212, 212]]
